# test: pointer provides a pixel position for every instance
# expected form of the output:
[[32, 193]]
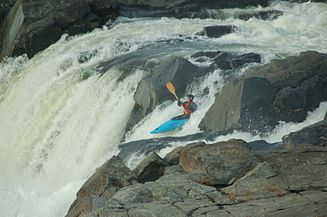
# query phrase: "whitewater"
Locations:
[[60, 118]]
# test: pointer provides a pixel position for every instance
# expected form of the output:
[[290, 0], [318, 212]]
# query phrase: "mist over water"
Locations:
[[60, 118]]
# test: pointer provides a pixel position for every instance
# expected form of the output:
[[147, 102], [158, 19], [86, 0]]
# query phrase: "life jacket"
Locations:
[[186, 106]]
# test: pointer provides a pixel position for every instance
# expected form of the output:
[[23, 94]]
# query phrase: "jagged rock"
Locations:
[[172, 158], [217, 164], [151, 168], [315, 134], [242, 104], [108, 179], [151, 90], [293, 87]]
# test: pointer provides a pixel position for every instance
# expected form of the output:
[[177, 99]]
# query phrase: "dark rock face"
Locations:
[[241, 104], [281, 90], [152, 91], [216, 31], [315, 135], [325, 118], [150, 169]]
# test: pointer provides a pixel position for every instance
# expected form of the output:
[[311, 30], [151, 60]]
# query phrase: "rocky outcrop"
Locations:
[[288, 182], [315, 134], [217, 164], [283, 90]]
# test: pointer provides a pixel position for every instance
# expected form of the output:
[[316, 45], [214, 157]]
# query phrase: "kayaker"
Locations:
[[189, 106]]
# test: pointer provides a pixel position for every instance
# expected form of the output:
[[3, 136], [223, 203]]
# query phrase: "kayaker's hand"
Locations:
[[179, 103]]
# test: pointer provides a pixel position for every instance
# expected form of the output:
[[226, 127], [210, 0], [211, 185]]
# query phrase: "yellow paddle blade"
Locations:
[[171, 89]]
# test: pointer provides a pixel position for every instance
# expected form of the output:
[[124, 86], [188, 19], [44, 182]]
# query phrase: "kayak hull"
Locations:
[[169, 126]]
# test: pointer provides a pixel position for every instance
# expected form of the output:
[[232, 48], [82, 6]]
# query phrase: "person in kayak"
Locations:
[[188, 106]]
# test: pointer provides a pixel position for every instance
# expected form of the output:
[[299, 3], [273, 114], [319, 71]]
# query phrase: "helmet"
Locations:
[[190, 96]]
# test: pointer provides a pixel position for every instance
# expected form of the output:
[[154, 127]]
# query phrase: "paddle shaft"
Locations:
[[171, 88]]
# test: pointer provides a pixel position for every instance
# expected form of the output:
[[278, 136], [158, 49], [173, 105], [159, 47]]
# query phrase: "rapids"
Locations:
[[60, 118]]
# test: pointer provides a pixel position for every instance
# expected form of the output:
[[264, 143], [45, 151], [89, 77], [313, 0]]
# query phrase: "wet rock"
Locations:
[[217, 164], [315, 134], [242, 104], [136, 193], [325, 118], [108, 179], [217, 31], [281, 90], [150, 169]]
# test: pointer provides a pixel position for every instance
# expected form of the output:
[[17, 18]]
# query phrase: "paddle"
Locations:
[[172, 90]]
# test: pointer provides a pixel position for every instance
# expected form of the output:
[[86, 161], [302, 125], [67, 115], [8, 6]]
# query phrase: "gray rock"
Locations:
[[281, 90], [108, 179], [256, 184], [315, 134], [217, 164], [242, 104], [136, 193], [85, 205], [217, 31], [151, 168]]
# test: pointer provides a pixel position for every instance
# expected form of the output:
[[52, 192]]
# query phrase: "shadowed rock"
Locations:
[[216, 31], [150, 169], [281, 90], [315, 134]]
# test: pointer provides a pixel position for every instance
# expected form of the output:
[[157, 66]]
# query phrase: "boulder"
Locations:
[[150, 169], [325, 118], [263, 15], [217, 164], [315, 134], [243, 104], [216, 31], [283, 90], [108, 179]]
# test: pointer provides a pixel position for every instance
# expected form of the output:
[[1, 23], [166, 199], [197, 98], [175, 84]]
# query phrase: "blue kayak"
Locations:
[[171, 125]]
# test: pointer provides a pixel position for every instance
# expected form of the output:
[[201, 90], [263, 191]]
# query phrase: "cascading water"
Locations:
[[60, 118]]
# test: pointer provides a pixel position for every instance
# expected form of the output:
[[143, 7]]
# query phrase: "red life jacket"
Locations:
[[186, 106]]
